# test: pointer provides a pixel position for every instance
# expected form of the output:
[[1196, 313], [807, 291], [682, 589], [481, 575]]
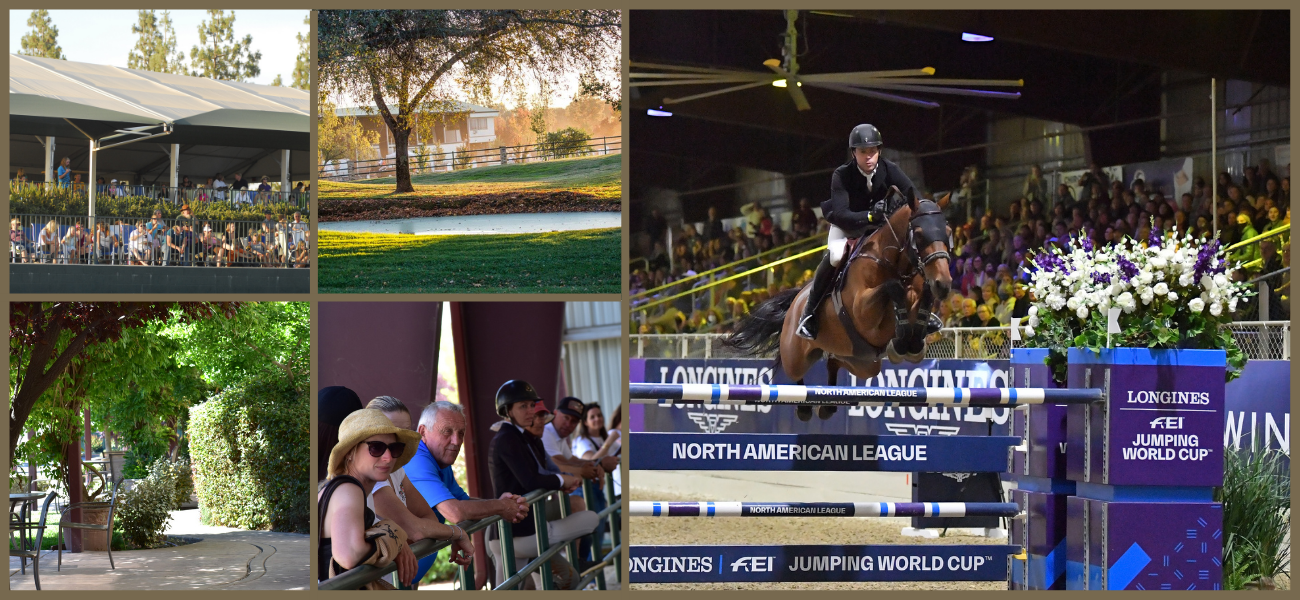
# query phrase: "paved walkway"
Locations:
[[224, 559], [481, 224]]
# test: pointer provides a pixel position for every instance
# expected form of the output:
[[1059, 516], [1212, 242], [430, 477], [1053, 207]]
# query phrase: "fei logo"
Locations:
[[713, 422], [753, 564], [1167, 423]]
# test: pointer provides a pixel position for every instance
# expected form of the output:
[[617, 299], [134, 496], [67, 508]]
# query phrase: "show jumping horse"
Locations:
[[878, 305]]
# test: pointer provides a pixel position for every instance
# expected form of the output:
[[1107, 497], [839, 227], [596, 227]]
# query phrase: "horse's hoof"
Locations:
[[826, 412], [804, 413], [893, 355]]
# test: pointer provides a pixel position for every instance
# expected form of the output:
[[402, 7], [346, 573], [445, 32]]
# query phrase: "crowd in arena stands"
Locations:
[[216, 189], [991, 252], [386, 469]]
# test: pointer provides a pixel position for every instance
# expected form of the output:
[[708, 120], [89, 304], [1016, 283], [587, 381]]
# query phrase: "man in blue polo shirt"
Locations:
[[442, 432]]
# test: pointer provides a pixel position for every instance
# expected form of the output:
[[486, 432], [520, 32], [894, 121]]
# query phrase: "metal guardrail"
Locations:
[[468, 159], [700, 278], [63, 239], [171, 195], [358, 576], [1260, 340]]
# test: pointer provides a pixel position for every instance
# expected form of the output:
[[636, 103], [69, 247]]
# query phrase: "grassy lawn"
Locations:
[[600, 176], [560, 262]]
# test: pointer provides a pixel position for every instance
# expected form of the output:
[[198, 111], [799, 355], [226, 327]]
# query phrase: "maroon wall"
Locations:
[[381, 349]]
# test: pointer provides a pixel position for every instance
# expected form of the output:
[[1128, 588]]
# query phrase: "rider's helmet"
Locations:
[[864, 136], [510, 392]]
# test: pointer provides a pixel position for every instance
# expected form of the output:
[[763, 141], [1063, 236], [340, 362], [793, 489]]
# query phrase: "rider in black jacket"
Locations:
[[862, 198]]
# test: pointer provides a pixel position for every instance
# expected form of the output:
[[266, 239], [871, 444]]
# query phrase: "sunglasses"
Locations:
[[377, 448]]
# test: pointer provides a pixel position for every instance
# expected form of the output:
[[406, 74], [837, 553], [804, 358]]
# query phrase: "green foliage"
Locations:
[[565, 143], [143, 512], [461, 160], [38, 200], [184, 480], [251, 444], [155, 45], [442, 569], [1256, 497], [261, 340], [219, 55], [43, 39], [302, 65]]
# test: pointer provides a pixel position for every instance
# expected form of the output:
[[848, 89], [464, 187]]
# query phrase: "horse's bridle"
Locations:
[[929, 219]]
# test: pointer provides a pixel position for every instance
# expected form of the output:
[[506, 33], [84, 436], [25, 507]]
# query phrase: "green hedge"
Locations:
[[252, 449], [41, 201], [145, 510]]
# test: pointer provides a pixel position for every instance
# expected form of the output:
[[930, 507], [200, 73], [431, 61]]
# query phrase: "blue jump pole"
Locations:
[[721, 393], [824, 509]]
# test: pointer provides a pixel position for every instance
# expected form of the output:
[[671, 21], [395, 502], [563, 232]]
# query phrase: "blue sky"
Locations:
[[104, 36]]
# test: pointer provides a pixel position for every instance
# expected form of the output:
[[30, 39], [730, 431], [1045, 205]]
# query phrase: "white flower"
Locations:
[[1185, 279], [1029, 331], [1173, 297], [1073, 303], [1161, 289], [1033, 311], [1159, 261], [1220, 280], [1216, 309], [1196, 305], [1232, 305], [1207, 282], [1147, 296], [1145, 277], [1082, 312], [1033, 319]]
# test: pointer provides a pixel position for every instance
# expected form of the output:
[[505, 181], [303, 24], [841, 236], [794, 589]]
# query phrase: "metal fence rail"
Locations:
[[468, 159], [63, 239], [356, 577], [199, 194], [1260, 340]]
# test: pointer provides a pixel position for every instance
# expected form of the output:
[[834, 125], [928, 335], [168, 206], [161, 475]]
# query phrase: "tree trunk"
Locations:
[[76, 493], [401, 140]]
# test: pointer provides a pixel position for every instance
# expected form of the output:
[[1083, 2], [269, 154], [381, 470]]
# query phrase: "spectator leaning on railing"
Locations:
[[370, 447], [396, 498], [442, 432], [516, 468]]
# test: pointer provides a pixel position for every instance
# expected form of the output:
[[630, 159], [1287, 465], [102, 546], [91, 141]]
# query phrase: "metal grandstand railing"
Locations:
[[1260, 340]]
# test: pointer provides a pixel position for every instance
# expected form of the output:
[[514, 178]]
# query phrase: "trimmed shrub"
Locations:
[[143, 512], [251, 445], [184, 480], [40, 201], [564, 143]]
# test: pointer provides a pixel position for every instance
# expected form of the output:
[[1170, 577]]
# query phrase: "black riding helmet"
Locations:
[[510, 392], [865, 136]]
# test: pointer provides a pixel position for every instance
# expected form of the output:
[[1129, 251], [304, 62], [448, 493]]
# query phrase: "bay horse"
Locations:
[[878, 305]]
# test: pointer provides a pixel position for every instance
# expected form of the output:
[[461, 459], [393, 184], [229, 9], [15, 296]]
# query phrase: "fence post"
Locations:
[[543, 541], [503, 155], [507, 548], [604, 145], [615, 521]]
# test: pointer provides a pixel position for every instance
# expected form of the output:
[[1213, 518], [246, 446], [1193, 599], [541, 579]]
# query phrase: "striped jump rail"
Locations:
[[824, 509], [722, 393]]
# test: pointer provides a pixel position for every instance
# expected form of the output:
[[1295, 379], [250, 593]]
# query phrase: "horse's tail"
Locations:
[[760, 331]]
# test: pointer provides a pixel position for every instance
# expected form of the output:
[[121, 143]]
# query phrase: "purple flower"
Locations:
[[1207, 260], [1085, 242], [1101, 277], [1127, 270], [1154, 239]]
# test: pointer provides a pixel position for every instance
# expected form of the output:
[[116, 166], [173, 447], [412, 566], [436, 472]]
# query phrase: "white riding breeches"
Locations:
[[837, 245]]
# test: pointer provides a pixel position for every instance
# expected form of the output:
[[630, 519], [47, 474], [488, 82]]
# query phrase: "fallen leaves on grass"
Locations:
[[368, 209]]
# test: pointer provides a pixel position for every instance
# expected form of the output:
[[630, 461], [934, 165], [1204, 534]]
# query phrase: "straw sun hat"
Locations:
[[362, 424]]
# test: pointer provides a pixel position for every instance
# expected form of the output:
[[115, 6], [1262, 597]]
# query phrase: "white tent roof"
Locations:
[[45, 94]]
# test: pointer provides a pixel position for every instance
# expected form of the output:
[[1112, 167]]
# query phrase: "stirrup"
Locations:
[[933, 324]]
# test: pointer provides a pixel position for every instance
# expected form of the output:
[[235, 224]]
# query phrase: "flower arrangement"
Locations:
[[1171, 292]]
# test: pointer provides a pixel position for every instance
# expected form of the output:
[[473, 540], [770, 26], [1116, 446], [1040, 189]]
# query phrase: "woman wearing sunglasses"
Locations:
[[370, 448], [398, 499]]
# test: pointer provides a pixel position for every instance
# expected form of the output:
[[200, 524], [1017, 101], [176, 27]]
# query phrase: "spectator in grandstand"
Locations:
[[186, 184], [1064, 196], [229, 250], [969, 309], [1020, 301], [395, 498], [264, 190], [1284, 196], [1271, 261], [239, 189], [75, 243], [65, 171], [985, 315], [303, 257], [20, 249], [804, 221], [48, 241], [713, 229], [219, 187], [173, 246], [107, 245], [1035, 187], [517, 470], [656, 226], [1245, 231]]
